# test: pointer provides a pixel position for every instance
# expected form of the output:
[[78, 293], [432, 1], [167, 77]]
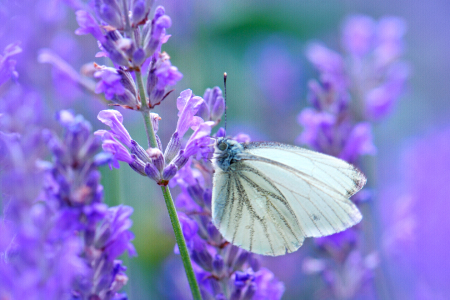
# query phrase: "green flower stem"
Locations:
[[145, 111], [181, 243], [167, 196]]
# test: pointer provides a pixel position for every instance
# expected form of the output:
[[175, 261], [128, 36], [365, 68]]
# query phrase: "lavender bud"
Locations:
[[236, 295], [172, 148], [158, 29], [242, 258], [241, 278], [138, 165], [152, 172], [201, 256], [127, 99], [127, 80], [218, 265], [152, 79], [158, 142], [233, 250], [109, 12], [157, 158], [207, 96], [137, 150], [255, 264], [139, 56], [203, 112], [221, 132], [169, 172], [114, 53], [215, 286], [196, 193], [213, 233], [156, 96], [159, 11], [218, 109], [207, 197], [139, 11], [180, 160]]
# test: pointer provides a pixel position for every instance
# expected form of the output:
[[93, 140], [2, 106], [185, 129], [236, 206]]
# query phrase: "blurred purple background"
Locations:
[[262, 46]]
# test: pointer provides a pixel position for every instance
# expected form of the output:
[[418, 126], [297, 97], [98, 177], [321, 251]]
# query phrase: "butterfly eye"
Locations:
[[222, 146]]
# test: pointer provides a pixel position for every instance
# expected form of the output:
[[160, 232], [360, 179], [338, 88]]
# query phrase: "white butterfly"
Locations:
[[268, 197]]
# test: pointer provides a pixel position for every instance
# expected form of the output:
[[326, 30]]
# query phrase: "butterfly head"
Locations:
[[226, 153]]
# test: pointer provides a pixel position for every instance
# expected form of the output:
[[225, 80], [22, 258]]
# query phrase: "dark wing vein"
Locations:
[[263, 192]]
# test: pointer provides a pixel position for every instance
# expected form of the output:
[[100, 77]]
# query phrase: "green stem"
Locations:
[[181, 243], [151, 137], [146, 112]]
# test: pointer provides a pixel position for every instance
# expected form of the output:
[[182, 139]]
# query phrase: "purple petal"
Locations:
[[88, 25], [188, 108], [114, 119]]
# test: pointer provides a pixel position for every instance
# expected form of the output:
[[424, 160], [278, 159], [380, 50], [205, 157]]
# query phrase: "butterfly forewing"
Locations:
[[277, 195], [335, 173]]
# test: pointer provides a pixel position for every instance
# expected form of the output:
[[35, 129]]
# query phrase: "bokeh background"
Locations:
[[261, 45]]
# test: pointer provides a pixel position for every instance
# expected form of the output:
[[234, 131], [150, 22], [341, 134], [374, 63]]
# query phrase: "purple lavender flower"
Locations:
[[7, 65], [38, 258], [65, 71], [73, 190], [152, 162]]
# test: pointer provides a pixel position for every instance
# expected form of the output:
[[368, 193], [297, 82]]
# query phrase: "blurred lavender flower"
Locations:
[[7, 65], [53, 245], [354, 89], [73, 190], [36, 260], [64, 71], [372, 71], [223, 271], [416, 219]]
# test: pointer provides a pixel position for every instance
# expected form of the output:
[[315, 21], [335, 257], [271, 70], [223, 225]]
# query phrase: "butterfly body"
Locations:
[[268, 197]]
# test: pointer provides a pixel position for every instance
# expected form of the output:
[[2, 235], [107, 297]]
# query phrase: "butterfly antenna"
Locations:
[[225, 98]]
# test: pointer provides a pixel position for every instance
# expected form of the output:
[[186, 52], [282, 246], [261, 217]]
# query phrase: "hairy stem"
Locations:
[[181, 243], [146, 112]]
